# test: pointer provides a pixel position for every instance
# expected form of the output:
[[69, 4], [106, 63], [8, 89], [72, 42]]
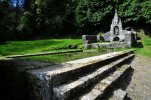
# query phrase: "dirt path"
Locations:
[[140, 85]]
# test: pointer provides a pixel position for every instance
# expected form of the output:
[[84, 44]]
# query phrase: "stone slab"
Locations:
[[118, 94]]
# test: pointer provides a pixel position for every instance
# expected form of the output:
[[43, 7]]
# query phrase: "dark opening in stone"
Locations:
[[116, 39], [116, 30]]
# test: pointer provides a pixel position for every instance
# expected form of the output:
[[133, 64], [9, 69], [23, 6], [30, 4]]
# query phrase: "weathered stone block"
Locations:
[[106, 36], [87, 39]]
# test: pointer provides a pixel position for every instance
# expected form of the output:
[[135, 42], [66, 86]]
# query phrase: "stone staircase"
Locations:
[[93, 78]]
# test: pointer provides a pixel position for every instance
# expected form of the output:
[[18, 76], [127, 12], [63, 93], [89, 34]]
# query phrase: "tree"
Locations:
[[146, 11], [92, 12], [59, 17], [6, 20]]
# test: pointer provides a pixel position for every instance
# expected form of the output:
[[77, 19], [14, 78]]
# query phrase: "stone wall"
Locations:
[[16, 82], [13, 81]]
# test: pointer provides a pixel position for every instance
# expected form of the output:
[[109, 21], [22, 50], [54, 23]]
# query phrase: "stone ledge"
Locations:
[[65, 90], [39, 54], [71, 65], [106, 45]]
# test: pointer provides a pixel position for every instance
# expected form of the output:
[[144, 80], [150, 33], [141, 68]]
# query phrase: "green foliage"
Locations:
[[100, 33], [49, 16], [64, 17], [9, 18], [24, 25], [129, 10], [91, 12], [135, 10], [146, 11]]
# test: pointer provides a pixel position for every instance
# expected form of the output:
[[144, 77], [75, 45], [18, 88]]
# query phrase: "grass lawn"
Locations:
[[146, 50], [38, 46]]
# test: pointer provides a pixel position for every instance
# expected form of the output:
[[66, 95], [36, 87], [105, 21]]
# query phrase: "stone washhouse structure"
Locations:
[[115, 38]]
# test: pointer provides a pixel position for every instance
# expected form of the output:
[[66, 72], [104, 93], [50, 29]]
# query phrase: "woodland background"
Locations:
[[38, 19]]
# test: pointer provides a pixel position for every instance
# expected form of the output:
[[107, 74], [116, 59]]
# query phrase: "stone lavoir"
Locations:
[[115, 38], [92, 78], [84, 79]]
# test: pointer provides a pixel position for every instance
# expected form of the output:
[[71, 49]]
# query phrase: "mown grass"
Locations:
[[38, 46], [146, 43]]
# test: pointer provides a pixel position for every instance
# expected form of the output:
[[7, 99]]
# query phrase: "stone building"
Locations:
[[116, 37]]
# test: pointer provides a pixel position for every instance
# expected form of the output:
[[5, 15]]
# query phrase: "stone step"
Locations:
[[77, 68], [118, 94], [102, 88], [68, 90], [42, 80]]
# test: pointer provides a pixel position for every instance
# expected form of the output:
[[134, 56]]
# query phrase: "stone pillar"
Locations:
[[129, 39], [84, 39]]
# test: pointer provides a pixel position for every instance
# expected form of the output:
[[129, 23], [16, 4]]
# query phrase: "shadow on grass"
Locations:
[[138, 45]]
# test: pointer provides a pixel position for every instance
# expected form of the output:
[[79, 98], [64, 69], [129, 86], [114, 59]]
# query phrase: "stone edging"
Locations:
[[39, 54]]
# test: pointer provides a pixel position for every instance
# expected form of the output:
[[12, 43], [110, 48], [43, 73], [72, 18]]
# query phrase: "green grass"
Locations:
[[146, 50], [37, 46], [60, 58], [51, 45]]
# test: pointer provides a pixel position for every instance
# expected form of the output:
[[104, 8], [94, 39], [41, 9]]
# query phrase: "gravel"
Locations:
[[139, 87]]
